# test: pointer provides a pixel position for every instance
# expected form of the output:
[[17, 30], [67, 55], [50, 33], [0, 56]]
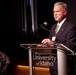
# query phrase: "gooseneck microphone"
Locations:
[[43, 26]]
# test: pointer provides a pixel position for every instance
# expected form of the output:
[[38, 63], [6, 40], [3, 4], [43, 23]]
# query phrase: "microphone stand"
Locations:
[[44, 28]]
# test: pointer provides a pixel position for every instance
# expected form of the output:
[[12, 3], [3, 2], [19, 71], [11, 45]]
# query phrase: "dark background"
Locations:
[[12, 24]]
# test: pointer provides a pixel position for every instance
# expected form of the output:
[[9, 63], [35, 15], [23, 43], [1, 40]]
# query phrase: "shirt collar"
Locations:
[[61, 22]]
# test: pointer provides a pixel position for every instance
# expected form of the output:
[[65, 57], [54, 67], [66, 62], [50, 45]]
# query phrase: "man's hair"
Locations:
[[64, 5]]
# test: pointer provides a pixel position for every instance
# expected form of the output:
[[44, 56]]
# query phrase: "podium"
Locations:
[[61, 50]]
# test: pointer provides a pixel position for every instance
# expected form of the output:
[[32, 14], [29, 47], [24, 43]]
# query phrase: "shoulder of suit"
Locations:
[[70, 23]]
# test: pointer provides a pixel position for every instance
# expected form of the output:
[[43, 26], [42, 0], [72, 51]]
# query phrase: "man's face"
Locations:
[[59, 13]]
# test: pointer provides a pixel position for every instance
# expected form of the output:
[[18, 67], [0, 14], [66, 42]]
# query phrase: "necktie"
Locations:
[[56, 30]]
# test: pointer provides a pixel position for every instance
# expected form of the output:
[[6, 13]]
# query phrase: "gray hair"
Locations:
[[64, 5]]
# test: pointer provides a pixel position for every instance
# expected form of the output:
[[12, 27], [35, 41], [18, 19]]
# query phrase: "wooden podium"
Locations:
[[61, 50]]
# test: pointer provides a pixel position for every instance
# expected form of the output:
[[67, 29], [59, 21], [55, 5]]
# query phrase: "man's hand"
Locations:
[[47, 41]]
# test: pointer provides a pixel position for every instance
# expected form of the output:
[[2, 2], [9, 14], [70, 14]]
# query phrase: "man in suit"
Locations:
[[62, 32]]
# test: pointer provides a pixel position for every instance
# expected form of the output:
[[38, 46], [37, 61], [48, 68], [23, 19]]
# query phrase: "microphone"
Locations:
[[44, 25]]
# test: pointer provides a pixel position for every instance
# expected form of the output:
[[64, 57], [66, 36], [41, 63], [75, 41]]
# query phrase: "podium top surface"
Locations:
[[38, 46], [44, 47]]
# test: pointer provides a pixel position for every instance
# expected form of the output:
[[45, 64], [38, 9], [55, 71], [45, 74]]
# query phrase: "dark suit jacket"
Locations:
[[66, 34]]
